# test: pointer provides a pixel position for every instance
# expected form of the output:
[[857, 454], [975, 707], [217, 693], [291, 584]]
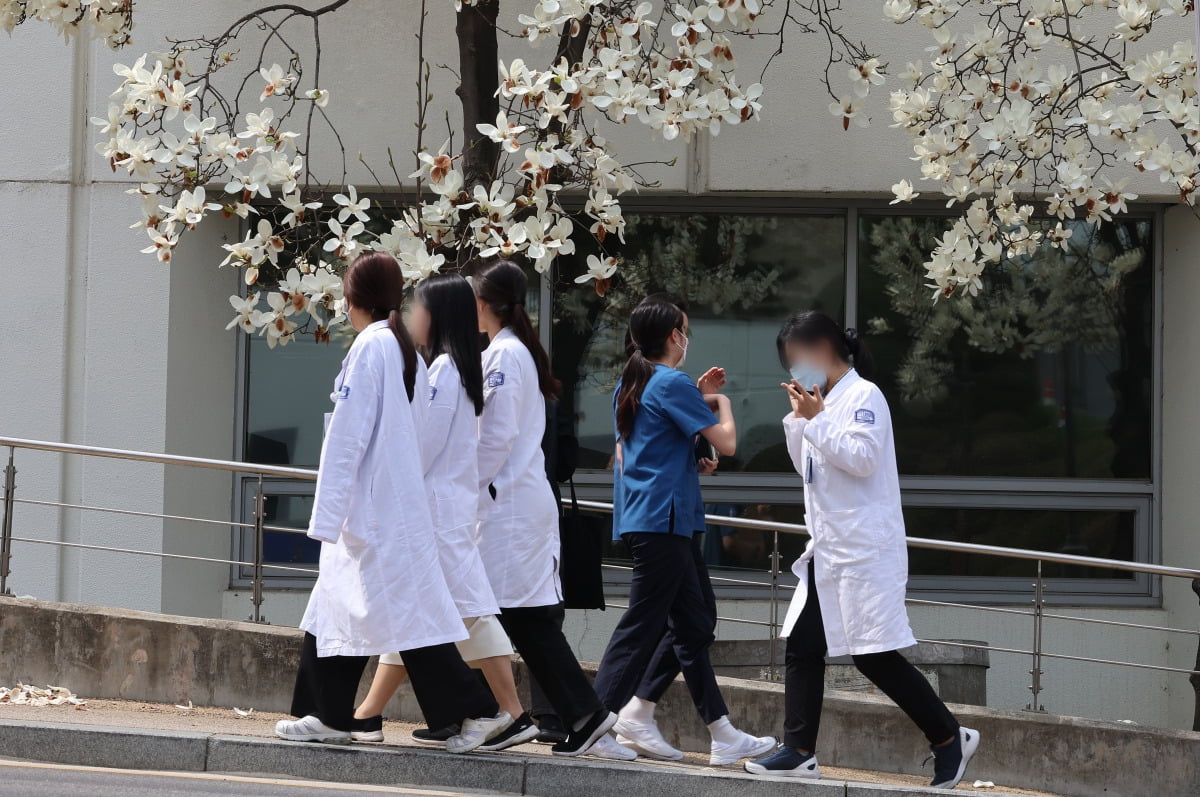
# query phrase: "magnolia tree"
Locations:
[[1027, 107]]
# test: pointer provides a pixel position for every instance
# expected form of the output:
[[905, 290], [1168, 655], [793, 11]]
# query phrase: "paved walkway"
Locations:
[[226, 722]]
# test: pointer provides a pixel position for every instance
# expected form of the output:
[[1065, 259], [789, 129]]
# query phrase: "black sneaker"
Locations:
[[435, 738], [578, 742], [521, 731], [366, 730], [950, 761], [550, 730]]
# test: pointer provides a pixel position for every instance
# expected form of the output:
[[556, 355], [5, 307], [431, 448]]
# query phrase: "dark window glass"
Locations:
[[742, 275], [1108, 534], [1046, 373]]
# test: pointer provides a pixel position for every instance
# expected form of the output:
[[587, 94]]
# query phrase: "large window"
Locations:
[[1024, 417]]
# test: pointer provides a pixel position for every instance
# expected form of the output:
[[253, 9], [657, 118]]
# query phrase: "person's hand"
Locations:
[[712, 381], [706, 466], [715, 400], [804, 404]]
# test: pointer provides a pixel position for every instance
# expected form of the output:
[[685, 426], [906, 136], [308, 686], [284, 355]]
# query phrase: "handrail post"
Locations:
[[773, 628], [1035, 686], [1195, 676], [256, 596], [6, 522]]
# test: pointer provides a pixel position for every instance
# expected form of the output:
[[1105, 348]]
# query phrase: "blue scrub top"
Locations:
[[656, 488]]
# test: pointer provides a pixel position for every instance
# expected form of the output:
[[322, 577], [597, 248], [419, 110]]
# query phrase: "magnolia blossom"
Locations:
[[669, 67], [1019, 102]]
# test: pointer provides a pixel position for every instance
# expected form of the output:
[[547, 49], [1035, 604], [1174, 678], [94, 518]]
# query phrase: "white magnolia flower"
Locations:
[[277, 81], [319, 96], [598, 269], [351, 205], [904, 192]]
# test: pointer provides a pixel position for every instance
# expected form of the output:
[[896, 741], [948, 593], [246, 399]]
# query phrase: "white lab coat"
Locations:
[[518, 528], [379, 588], [449, 446], [847, 456]]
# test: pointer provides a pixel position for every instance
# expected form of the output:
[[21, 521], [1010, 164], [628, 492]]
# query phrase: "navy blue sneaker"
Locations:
[[950, 762], [787, 762]]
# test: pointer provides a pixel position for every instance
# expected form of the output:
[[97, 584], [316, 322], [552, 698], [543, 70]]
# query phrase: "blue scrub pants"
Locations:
[[667, 629]]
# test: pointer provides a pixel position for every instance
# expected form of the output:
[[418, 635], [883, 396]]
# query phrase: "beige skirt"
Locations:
[[487, 640]]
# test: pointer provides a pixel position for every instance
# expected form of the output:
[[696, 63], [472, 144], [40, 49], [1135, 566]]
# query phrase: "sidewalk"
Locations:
[[151, 735]]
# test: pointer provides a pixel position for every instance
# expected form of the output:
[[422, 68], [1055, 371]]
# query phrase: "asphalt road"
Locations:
[[24, 779]]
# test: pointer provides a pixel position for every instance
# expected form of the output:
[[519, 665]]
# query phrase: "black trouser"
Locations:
[[536, 633], [890, 671], [539, 704], [446, 688], [667, 629]]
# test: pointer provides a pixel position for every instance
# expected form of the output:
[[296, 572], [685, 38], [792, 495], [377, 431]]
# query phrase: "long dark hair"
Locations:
[[454, 328], [501, 285], [650, 326], [812, 326], [375, 283]]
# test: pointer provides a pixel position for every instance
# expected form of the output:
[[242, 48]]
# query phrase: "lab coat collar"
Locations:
[[843, 384], [505, 332], [376, 325]]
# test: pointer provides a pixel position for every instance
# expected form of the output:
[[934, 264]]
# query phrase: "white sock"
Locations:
[[723, 731], [638, 710]]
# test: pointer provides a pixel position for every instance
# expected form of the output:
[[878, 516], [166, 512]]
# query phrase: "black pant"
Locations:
[[536, 633], [667, 629], [539, 704], [447, 690], [805, 682]]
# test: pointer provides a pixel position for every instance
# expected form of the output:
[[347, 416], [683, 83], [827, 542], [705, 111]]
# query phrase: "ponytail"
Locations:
[[860, 356], [502, 286], [408, 351], [650, 328]]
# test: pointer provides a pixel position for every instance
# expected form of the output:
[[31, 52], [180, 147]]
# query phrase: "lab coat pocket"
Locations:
[[848, 536]]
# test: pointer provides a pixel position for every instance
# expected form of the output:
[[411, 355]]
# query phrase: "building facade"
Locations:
[[1080, 442]]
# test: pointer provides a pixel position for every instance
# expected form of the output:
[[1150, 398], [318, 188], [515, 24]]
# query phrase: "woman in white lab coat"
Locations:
[[379, 587], [443, 322], [854, 572], [518, 516]]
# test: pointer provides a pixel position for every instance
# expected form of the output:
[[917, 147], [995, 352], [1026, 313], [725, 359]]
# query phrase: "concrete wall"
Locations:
[[142, 656], [102, 345]]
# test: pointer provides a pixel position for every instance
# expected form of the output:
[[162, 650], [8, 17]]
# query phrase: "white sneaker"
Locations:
[[606, 747], [646, 739], [477, 731], [746, 746], [310, 729]]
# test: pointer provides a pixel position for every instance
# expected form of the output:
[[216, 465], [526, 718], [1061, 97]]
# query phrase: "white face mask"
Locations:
[[683, 357]]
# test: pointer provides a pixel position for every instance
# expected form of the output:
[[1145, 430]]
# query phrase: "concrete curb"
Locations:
[[387, 766]]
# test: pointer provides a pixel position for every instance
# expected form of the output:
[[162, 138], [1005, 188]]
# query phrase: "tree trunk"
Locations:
[[478, 57]]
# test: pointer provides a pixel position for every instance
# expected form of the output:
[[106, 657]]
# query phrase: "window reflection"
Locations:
[[1046, 373]]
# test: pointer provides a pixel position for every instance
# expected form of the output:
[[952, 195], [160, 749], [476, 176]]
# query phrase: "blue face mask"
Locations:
[[808, 375]]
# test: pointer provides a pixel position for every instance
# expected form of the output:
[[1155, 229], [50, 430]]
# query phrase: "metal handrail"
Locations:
[[940, 545], [161, 459]]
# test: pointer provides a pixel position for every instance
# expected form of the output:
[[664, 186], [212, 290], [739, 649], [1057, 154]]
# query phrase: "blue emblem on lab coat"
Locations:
[[432, 392], [864, 416], [495, 379], [343, 392]]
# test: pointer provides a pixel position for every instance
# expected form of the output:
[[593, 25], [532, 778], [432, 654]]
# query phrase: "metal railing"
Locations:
[[776, 586]]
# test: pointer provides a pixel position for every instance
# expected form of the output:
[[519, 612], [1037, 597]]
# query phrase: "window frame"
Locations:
[[1141, 497]]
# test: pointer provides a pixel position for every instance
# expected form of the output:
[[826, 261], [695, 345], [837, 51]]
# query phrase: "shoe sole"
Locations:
[[315, 737], [527, 735], [972, 745], [430, 742], [603, 728], [647, 752], [366, 736], [803, 773], [762, 749]]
